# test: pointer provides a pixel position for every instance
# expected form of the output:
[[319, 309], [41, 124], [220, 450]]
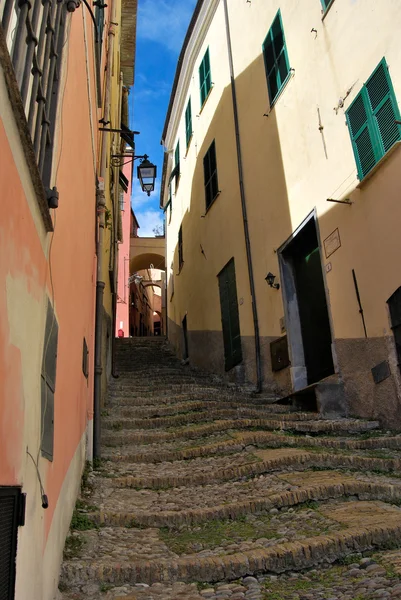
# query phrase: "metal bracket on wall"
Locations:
[[346, 201]]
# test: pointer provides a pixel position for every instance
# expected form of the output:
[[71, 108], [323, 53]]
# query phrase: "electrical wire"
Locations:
[[45, 503]]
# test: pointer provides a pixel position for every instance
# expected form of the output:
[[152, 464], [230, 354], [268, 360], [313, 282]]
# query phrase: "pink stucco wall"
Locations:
[[122, 313]]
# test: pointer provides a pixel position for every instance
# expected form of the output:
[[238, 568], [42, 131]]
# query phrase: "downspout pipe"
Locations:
[[100, 284], [243, 204]]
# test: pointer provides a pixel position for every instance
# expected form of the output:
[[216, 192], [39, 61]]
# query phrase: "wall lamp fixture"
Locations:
[[270, 281], [146, 170]]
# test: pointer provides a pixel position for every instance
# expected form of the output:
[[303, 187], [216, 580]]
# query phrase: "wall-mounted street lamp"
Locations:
[[270, 281], [147, 175], [146, 170]]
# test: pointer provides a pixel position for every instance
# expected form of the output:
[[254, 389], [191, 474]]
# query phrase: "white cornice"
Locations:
[[197, 38]]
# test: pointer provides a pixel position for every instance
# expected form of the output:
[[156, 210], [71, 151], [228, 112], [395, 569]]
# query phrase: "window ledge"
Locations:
[[290, 75], [327, 10], [377, 166], [212, 202], [206, 99]]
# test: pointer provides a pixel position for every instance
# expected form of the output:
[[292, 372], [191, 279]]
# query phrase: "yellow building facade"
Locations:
[[282, 167]]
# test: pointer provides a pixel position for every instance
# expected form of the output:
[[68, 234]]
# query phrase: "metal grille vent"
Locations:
[[8, 540]]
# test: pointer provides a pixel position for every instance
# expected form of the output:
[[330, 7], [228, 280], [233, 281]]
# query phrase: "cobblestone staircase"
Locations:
[[206, 492]]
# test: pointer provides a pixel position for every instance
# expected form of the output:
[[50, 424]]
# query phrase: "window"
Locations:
[[326, 4], [177, 164], [180, 250], [188, 122], [48, 382], [38, 37], [230, 316], [170, 202], [371, 120], [85, 359], [205, 78], [210, 174], [276, 58]]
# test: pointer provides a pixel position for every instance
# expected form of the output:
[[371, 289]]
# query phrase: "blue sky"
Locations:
[[161, 28]]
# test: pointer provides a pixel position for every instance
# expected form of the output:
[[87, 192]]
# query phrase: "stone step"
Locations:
[[154, 410], [168, 421], [344, 426], [368, 525], [184, 474], [218, 445], [117, 511]]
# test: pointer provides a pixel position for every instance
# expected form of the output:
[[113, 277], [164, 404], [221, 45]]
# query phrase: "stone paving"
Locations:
[[205, 491]]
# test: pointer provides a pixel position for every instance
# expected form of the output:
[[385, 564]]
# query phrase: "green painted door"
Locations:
[[230, 316]]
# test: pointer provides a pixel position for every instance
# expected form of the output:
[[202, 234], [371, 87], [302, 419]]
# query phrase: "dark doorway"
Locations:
[[302, 266], [394, 305], [229, 316], [185, 333]]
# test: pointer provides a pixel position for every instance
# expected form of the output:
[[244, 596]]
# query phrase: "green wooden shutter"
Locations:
[[177, 163], [384, 107], [275, 56], [230, 316], [371, 120], [188, 122], [361, 136], [205, 77], [210, 175]]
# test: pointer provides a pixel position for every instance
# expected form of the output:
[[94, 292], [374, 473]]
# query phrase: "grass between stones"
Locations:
[[303, 521], [73, 546]]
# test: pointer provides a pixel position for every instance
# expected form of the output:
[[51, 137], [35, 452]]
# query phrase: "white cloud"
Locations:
[[148, 220], [151, 90], [140, 200], [165, 21]]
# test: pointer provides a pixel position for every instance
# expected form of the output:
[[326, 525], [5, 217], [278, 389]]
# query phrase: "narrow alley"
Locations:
[[204, 491]]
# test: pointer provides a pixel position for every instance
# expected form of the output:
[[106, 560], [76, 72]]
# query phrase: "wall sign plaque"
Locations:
[[332, 243]]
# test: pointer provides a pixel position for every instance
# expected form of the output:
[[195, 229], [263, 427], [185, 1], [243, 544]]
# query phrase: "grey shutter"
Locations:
[[48, 382], [230, 316]]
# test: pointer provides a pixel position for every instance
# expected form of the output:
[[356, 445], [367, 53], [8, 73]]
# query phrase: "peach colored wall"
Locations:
[[25, 286], [122, 317]]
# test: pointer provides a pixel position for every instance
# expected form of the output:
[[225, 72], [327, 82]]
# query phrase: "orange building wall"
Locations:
[[25, 286]]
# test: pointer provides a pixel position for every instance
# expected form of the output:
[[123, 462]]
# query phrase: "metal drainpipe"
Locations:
[[243, 205], [100, 285]]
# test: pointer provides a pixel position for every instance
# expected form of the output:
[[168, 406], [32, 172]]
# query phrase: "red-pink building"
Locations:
[[129, 223], [58, 78]]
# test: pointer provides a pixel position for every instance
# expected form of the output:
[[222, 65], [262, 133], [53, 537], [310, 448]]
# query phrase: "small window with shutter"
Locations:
[[371, 120], [188, 123], [205, 78], [210, 175], [48, 381], [180, 250], [275, 55]]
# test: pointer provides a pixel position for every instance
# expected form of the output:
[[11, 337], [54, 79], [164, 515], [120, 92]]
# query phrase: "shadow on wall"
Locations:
[[211, 238], [369, 242]]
